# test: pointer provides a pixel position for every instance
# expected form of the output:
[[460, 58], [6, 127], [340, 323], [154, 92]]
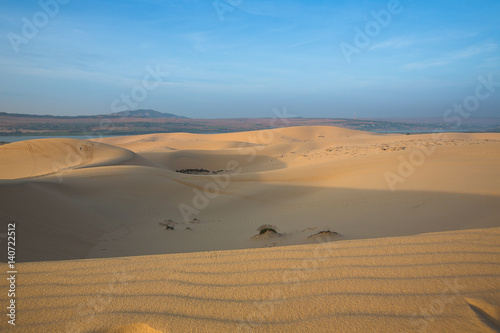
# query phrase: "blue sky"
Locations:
[[243, 58]]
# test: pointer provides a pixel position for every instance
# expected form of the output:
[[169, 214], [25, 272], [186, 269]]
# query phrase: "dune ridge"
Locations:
[[35, 158]]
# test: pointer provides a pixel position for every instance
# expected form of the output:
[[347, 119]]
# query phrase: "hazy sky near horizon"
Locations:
[[243, 58]]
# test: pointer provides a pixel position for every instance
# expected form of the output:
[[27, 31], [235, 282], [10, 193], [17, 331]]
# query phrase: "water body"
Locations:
[[34, 137], [421, 131]]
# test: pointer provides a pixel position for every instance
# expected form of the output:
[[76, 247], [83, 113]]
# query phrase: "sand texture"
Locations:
[[439, 282]]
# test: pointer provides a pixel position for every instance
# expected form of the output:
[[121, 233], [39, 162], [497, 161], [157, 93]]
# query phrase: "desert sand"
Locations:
[[417, 217], [439, 282]]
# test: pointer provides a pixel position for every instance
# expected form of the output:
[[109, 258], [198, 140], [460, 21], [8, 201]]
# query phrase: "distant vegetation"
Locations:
[[202, 171], [324, 233], [168, 224], [267, 228], [150, 121]]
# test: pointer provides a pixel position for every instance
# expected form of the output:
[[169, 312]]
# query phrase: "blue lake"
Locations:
[[34, 137]]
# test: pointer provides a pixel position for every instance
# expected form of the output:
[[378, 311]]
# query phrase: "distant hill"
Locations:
[[141, 113]]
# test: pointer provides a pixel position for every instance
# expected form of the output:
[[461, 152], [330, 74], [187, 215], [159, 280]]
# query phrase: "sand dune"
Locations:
[[440, 282], [113, 198], [34, 158], [104, 199]]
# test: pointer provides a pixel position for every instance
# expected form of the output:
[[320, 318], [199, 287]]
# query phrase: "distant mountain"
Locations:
[[142, 113]]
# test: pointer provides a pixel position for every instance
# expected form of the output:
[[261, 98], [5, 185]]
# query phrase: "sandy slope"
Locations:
[[26, 159], [440, 282], [83, 199]]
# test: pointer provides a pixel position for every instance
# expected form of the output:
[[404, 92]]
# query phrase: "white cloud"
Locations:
[[305, 42], [472, 51], [453, 56], [198, 40], [422, 65], [393, 43]]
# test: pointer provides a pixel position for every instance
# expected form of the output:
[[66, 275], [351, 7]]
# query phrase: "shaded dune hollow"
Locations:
[[226, 161]]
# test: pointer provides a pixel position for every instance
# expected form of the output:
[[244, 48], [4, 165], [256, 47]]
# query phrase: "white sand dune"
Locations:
[[440, 282], [112, 198]]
